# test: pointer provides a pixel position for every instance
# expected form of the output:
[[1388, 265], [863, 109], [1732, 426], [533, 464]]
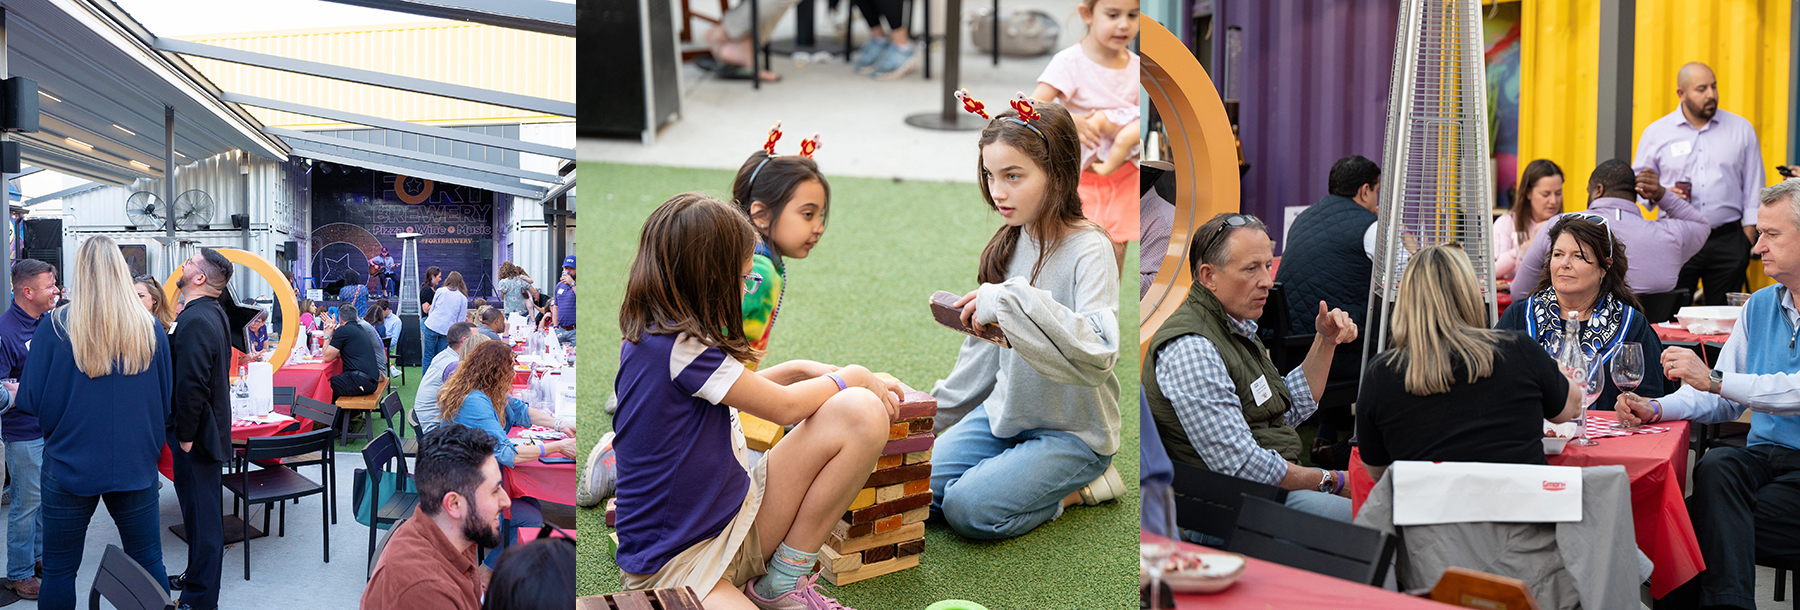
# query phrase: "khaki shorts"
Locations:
[[735, 555]]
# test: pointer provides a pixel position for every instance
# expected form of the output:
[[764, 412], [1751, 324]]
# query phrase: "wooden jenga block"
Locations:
[[910, 547], [871, 570], [838, 562], [899, 431], [917, 426], [910, 444], [847, 531], [890, 461], [915, 486], [887, 508], [890, 493], [880, 553], [902, 474], [612, 512], [885, 525], [915, 515], [760, 434], [917, 456], [917, 404], [864, 499], [857, 545]]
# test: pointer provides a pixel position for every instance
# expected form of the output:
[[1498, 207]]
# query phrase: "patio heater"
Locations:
[[409, 350], [1436, 184]]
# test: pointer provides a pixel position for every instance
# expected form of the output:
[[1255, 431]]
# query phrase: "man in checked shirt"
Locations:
[[1217, 399]]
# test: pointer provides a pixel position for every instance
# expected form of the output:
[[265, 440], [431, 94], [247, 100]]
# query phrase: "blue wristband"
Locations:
[[839, 380]]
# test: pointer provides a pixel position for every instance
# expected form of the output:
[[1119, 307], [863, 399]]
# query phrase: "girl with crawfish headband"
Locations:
[[787, 199], [1038, 421], [691, 510]]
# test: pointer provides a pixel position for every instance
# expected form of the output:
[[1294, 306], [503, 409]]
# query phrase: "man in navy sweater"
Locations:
[[34, 293], [200, 430]]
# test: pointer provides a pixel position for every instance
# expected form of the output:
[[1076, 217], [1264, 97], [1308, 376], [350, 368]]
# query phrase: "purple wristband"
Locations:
[[839, 380]]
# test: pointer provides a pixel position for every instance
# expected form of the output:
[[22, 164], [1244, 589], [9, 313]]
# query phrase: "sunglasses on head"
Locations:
[[1234, 221], [1595, 219]]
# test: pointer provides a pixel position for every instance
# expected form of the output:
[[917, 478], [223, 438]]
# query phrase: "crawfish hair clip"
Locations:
[[1020, 103], [807, 146]]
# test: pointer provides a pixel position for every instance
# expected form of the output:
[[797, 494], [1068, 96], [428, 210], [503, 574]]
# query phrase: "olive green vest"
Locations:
[[1245, 359]]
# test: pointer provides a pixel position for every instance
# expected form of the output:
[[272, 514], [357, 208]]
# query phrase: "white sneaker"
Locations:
[[597, 482], [1104, 489]]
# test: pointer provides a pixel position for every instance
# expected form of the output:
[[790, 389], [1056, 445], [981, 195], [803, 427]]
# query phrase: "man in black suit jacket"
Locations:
[[200, 431]]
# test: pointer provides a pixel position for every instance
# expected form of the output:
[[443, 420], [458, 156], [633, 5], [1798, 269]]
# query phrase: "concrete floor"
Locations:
[[286, 572], [860, 120]]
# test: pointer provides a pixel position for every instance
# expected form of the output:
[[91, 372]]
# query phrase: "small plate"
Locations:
[[1204, 572]]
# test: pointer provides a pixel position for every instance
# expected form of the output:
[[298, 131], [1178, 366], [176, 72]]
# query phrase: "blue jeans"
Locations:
[[991, 488], [24, 531], [565, 336], [66, 518], [433, 341]]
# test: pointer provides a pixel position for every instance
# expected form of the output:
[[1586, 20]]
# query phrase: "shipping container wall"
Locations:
[[1312, 82], [488, 57], [1746, 42]]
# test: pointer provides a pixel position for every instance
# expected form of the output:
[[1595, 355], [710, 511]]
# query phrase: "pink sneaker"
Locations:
[[808, 595]]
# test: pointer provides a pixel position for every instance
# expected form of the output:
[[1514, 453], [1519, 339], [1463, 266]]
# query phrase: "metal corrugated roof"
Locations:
[[494, 58]]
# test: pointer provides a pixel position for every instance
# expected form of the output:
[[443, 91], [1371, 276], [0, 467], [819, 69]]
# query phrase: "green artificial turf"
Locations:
[[860, 298]]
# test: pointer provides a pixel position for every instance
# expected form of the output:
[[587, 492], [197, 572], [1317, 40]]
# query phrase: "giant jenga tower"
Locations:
[[884, 530]]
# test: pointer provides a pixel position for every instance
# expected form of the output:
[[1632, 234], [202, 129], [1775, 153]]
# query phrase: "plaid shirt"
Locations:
[[1193, 377]]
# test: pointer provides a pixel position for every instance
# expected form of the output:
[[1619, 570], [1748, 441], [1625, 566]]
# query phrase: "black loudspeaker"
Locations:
[[240, 221], [9, 157], [630, 62], [291, 250], [410, 346], [20, 106]]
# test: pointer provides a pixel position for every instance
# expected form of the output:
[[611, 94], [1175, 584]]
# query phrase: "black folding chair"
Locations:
[[1208, 502], [321, 414], [284, 398], [275, 484], [382, 546], [126, 585], [382, 451], [1271, 531], [391, 407], [392, 357]]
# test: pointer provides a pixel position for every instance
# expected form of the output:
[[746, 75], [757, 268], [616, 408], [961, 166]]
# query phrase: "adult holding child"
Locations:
[[1096, 80]]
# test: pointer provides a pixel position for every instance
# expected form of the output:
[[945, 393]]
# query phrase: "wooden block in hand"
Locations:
[[864, 543], [760, 434], [864, 499], [871, 570], [916, 457], [910, 547], [943, 308], [916, 404], [879, 554], [838, 562]]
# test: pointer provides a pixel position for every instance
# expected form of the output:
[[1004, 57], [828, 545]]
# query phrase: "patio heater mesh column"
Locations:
[[1435, 182], [409, 277]]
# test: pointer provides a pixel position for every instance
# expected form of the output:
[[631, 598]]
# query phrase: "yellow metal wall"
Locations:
[[1745, 42], [501, 59]]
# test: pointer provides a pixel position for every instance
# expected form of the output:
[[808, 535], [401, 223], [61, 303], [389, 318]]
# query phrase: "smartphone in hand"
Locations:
[[943, 307]]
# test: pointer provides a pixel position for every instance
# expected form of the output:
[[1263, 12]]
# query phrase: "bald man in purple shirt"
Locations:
[[1711, 158]]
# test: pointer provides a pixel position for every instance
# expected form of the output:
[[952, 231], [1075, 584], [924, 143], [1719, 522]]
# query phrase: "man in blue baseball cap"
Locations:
[[563, 311]]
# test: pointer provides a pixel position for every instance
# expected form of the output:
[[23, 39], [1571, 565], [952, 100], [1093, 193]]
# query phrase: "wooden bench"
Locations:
[[367, 404], [681, 598]]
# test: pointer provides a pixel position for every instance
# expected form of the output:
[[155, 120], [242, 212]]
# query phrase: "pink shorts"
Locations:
[[1112, 201]]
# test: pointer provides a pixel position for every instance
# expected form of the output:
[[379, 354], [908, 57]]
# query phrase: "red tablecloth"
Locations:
[[310, 380], [1272, 585], [1657, 465], [547, 482], [166, 463]]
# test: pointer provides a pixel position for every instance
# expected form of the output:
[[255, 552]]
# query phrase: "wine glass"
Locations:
[[1627, 372], [1153, 557], [1593, 381]]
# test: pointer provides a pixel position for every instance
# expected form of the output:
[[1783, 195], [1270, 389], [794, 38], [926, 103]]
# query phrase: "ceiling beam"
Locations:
[[542, 16], [369, 77], [383, 149], [79, 188], [412, 128], [416, 169]]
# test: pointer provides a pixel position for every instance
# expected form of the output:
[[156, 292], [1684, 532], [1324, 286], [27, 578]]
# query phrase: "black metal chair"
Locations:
[[1661, 307], [284, 398], [126, 585], [322, 415], [1270, 531], [393, 357], [275, 484], [390, 408], [1208, 502], [375, 558], [382, 451]]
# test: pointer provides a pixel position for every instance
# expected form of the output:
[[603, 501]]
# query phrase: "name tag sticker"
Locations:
[[1681, 148], [1260, 390]]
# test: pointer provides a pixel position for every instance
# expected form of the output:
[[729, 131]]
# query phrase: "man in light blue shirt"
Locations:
[[1746, 501], [425, 406]]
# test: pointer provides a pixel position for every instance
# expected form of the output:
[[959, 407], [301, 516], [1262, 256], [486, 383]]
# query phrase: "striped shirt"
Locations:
[[1193, 377]]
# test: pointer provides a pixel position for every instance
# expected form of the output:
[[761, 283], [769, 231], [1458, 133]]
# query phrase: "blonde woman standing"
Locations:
[[98, 378], [1451, 389]]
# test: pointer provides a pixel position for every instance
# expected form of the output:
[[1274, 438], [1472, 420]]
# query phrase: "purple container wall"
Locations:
[[1312, 83]]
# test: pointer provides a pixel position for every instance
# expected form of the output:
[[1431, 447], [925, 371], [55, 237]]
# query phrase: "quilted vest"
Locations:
[[1323, 260], [1245, 360]]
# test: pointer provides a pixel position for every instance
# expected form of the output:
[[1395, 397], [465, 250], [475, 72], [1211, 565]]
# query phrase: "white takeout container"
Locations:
[[1708, 320], [1564, 431]]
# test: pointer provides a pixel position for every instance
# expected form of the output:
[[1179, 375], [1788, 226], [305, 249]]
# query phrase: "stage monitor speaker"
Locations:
[[630, 51], [410, 346], [291, 250], [20, 111]]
